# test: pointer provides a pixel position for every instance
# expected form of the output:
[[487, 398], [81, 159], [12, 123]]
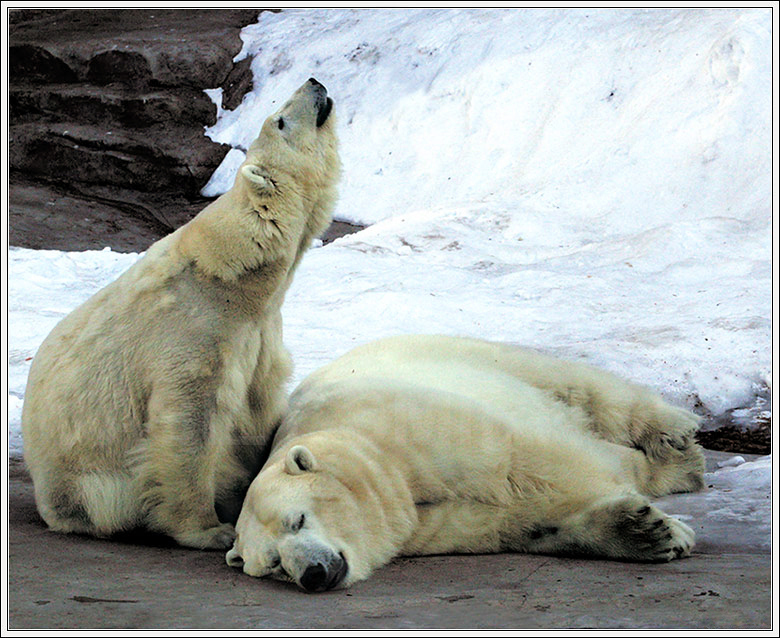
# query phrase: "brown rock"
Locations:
[[107, 108]]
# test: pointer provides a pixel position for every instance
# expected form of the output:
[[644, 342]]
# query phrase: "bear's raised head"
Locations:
[[296, 154], [283, 195], [320, 521]]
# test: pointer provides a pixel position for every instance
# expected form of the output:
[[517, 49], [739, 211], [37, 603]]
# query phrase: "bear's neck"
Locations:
[[230, 242]]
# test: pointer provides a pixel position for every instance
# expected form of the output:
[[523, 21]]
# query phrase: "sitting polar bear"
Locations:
[[153, 403], [430, 445]]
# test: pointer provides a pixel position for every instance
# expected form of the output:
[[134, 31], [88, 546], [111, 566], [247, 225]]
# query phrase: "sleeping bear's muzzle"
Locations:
[[324, 575], [323, 102]]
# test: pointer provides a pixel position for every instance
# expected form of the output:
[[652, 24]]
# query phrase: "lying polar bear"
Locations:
[[429, 445]]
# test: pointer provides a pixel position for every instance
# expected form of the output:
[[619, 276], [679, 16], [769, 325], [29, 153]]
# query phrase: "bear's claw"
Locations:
[[652, 535]]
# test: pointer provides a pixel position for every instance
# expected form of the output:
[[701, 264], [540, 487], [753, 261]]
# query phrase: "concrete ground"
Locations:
[[58, 582]]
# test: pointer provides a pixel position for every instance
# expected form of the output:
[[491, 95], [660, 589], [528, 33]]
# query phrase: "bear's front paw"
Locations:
[[681, 543], [651, 535], [217, 537]]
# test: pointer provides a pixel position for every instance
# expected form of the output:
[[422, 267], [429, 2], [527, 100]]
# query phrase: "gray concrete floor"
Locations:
[[57, 581]]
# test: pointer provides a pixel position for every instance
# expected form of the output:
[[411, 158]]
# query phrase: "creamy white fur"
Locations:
[[156, 399], [425, 444]]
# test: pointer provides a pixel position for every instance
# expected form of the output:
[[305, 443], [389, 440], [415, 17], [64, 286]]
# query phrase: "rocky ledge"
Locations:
[[107, 112]]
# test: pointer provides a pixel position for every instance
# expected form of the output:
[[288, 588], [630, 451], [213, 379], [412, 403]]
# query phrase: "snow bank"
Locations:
[[592, 183], [600, 180], [600, 121]]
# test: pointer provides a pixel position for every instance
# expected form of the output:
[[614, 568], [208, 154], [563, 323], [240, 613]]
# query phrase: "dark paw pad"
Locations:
[[652, 535]]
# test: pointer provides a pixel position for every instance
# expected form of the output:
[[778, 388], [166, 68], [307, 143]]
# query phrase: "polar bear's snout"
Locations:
[[311, 562], [323, 102], [323, 576]]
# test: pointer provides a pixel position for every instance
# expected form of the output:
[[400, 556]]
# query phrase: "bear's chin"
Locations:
[[324, 112]]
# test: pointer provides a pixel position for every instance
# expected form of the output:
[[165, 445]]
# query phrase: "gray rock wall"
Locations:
[[107, 113]]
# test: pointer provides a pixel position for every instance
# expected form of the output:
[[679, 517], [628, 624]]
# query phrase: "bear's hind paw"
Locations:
[[669, 432]]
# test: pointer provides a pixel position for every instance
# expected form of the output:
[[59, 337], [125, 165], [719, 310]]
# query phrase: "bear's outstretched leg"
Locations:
[[636, 418], [623, 527], [663, 433], [619, 412]]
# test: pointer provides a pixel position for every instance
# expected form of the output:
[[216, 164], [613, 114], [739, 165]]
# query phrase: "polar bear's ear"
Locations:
[[258, 178], [299, 460]]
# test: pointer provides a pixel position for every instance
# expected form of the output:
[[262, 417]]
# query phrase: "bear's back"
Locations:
[[436, 397], [456, 369]]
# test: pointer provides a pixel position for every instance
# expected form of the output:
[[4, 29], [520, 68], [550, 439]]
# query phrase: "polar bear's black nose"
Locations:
[[314, 578], [318, 577], [315, 82]]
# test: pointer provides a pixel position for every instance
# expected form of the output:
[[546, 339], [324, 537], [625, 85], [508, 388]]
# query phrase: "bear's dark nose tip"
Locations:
[[315, 83], [319, 577], [314, 578]]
